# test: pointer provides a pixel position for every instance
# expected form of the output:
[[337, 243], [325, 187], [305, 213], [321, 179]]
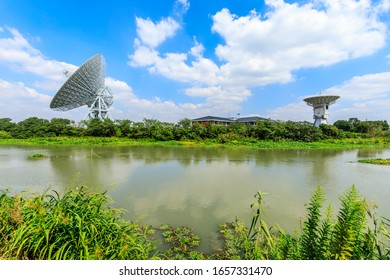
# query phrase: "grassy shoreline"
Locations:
[[254, 144], [79, 225], [379, 161]]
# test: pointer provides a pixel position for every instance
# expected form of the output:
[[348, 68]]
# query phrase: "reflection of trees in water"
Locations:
[[267, 157], [184, 155], [193, 185], [371, 153], [94, 167], [93, 163], [321, 164]]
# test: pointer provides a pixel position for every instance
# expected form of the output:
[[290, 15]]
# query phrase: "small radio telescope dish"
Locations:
[[320, 106], [86, 87]]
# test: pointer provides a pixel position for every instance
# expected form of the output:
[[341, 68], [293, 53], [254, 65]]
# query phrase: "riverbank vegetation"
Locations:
[[81, 225], [375, 142], [261, 135], [380, 161]]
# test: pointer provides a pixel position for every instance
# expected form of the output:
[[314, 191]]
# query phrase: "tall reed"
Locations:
[[77, 225], [355, 233]]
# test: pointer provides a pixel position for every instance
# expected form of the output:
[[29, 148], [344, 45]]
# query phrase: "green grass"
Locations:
[[355, 233], [76, 226], [380, 161], [82, 226], [247, 143]]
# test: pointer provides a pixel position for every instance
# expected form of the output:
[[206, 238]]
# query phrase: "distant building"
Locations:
[[213, 120], [225, 121], [251, 120]]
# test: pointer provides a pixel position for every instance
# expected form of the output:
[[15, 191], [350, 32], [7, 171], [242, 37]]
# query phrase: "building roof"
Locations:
[[212, 118], [222, 119], [251, 119]]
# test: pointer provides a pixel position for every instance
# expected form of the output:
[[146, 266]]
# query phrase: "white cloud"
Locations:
[[181, 7], [220, 96], [135, 108], [143, 56], [19, 102], [296, 111], [259, 50], [383, 6], [17, 52], [363, 97], [363, 88], [153, 34], [7, 89], [176, 66]]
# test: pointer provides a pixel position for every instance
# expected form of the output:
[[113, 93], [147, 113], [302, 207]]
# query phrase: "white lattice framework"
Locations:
[[86, 87]]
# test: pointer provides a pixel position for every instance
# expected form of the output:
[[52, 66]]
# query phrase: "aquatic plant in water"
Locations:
[[381, 161], [37, 156]]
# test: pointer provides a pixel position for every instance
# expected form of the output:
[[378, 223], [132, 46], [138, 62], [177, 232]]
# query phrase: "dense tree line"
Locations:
[[185, 129]]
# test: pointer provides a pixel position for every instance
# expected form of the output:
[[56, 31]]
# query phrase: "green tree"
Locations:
[[138, 131], [123, 128], [302, 131], [198, 131], [182, 130], [329, 131], [263, 130], [212, 131], [60, 126], [344, 125], [32, 127], [238, 128], [97, 127], [163, 131], [6, 124]]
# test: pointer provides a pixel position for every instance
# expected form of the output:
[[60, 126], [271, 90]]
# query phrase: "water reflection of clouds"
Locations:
[[200, 187], [98, 173]]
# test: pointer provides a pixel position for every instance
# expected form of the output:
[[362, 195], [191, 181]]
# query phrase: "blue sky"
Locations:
[[178, 59]]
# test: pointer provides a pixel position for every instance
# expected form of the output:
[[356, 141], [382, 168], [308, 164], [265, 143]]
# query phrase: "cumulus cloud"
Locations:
[[257, 50], [262, 49], [363, 97], [136, 108], [18, 53], [153, 34], [18, 100], [295, 111], [364, 88], [181, 7]]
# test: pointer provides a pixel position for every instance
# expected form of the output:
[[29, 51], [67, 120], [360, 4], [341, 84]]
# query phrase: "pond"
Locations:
[[199, 187]]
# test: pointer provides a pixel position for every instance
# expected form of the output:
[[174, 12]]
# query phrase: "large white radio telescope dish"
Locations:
[[86, 87]]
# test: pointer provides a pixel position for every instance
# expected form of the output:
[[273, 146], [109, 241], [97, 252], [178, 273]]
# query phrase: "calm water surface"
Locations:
[[199, 187]]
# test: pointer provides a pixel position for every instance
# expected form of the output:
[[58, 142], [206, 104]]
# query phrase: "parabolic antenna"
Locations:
[[86, 87], [320, 106]]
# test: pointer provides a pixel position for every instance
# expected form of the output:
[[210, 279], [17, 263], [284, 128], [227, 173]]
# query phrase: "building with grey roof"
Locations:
[[225, 121]]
